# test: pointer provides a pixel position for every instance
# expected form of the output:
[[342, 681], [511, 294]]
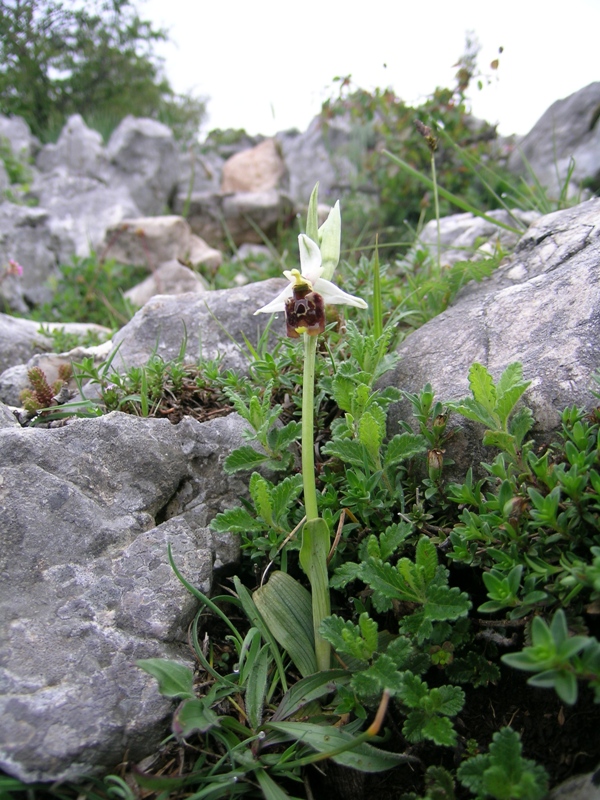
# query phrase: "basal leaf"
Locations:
[[194, 715], [174, 680], [328, 739], [285, 605], [344, 574], [284, 494], [440, 730]]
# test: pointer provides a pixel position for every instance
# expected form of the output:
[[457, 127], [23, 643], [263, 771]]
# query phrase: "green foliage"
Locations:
[[502, 773], [493, 405], [558, 658], [95, 59], [91, 290], [382, 121]]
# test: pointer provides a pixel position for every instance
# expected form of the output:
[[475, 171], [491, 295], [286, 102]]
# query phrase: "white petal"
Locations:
[[310, 258], [333, 295], [278, 303]]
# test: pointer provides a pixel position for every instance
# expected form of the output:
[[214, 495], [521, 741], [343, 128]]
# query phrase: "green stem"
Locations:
[[315, 534], [308, 421]]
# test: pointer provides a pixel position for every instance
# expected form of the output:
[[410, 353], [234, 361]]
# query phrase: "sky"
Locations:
[[267, 65]]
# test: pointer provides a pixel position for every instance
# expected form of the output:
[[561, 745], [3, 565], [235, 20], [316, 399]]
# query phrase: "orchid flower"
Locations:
[[307, 292]]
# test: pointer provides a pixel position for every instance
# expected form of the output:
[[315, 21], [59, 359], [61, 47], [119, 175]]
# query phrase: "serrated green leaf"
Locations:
[[344, 574], [403, 446], [399, 650], [393, 537], [500, 439], [284, 494], [448, 700], [346, 639], [261, 497], [370, 435], [482, 387], [243, 458], [440, 730], [414, 690], [282, 438], [388, 580], [446, 603], [426, 558], [348, 451], [368, 628], [236, 520], [343, 391], [174, 680]]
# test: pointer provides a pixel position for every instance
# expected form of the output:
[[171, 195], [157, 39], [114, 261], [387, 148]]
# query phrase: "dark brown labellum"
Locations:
[[304, 313]]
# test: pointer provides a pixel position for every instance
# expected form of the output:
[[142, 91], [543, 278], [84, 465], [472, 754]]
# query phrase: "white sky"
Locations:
[[267, 65]]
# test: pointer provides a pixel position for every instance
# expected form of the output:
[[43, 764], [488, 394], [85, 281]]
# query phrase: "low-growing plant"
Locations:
[[91, 290]]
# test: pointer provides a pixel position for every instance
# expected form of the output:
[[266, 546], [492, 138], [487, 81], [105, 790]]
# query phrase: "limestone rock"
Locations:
[[461, 233], [20, 339], [26, 236], [214, 324], [540, 308], [156, 240], [79, 149], [256, 170], [144, 155], [14, 379], [570, 128], [20, 138], [87, 511], [171, 278], [321, 153], [80, 209]]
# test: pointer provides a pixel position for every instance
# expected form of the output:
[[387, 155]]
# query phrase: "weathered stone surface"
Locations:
[[256, 170], [20, 339], [7, 418], [78, 149], [80, 209], [144, 155], [214, 323], [541, 308], [87, 511], [171, 278], [218, 218], [320, 154], [581, 787], [26, 237], [461, 233], [16, 130], [570, 128], [156, 240], [14, 379]]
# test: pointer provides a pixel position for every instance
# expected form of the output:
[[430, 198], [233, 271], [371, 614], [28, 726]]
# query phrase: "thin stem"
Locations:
[[308, 417]]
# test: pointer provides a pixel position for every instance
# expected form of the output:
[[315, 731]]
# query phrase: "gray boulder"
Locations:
[[214, 324], [570, 128], [461, 234], [542, 308], [26, 236], [19, 136], [322, 153], [238, 217], [145, 160], [87, 513], [79, 150], [80, 209]]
